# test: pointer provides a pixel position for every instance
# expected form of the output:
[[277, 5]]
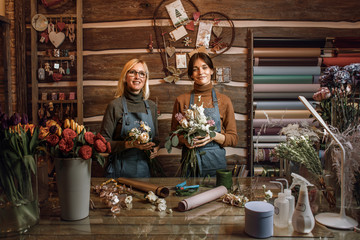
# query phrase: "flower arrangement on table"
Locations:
[[18, 145], [142, 135], [192, 124], [72, 140], [339, 96]]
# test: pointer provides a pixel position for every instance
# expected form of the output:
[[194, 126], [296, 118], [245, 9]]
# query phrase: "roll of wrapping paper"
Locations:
[[224, 178], [287, 88], [280, 105], [346, 42], [283, 122], [264, 155], [266, 171], [311, 61], [202, 198], [283, 79], [281, 95], [145, 186], [348, 55], [340, 61], [287, 70], [269, 138], [287, 52], [289, 42], [266, 130], [263, 114]]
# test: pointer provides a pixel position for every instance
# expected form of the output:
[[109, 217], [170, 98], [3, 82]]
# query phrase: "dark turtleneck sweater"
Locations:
[[203, 94], [112, 121]]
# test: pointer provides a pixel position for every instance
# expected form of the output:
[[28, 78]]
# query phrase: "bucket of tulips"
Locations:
[[73, 149]]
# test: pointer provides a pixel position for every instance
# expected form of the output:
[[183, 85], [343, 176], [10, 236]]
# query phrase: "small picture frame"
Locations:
[[181, 60], [61, 96], [204, 34], [178, 33], [44, 96], [72, 96], [53, 96], [223, 74], [177, 13]]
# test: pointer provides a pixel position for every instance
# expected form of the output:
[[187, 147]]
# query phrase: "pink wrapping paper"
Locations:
[[202, 198]]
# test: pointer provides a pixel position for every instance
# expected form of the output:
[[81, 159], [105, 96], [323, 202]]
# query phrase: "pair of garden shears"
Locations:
[[182, 186]]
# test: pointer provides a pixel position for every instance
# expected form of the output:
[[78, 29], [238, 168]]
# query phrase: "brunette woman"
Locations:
[[218, 107]]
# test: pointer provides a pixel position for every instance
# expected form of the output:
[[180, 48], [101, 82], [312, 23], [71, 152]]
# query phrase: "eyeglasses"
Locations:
[[133, 73]]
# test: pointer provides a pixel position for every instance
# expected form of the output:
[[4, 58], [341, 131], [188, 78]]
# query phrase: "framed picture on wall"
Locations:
[[223, 74], [181, 60], [177, 13]]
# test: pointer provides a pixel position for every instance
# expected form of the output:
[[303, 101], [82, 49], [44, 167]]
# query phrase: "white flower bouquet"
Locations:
[[142, 135], [193, 123]]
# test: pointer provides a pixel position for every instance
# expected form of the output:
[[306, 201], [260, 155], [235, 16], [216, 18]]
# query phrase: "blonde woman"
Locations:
[[130, 106]]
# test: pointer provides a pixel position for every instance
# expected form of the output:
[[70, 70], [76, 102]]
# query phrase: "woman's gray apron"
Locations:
[[211, 157], [132, 162]]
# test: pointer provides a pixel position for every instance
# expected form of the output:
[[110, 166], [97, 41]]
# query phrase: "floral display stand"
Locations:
[[73, 184]]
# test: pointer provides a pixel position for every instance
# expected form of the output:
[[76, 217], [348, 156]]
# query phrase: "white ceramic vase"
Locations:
[[73, 183]]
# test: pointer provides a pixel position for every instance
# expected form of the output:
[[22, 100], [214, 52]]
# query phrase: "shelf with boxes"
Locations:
[[56, 53]]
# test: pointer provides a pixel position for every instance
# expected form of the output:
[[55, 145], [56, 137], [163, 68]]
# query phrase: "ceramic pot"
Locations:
[[73, 184]]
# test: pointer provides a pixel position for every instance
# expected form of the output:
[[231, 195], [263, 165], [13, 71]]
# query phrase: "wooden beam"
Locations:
[[7, 64]]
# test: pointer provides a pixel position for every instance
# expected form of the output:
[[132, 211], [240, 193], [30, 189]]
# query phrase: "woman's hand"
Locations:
[[202, 141], [141, 146], [154, 152]]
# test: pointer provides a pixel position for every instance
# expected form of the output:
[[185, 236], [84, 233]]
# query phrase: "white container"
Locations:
[[281, 211], [259, 219], [291, 200]]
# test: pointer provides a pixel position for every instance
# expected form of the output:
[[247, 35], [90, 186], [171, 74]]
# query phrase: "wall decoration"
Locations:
[[187, 41], [178, 33], [181, 60], [223, 74], [204, 34], [174, 74], [177, 13]]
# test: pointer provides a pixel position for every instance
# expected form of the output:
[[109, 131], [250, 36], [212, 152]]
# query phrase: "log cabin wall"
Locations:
[[116, 31]]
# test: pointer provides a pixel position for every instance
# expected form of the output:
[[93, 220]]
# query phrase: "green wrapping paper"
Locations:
[[283, 79]]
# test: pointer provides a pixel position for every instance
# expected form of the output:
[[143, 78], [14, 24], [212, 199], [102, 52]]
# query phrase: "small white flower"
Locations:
[[268, 194], [144, 137], [151, 197], [161, 207], [128, 200]]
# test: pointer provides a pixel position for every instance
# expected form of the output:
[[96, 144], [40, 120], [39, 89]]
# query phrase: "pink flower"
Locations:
[[53, 139], [322, 94], [179, 117], [66, 145], [69, 133], [100, 146], [99, 136], [89, 137], [85, 152], [211, 122]]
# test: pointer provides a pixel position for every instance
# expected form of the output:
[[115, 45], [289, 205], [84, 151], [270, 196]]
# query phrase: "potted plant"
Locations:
[[73, 148]]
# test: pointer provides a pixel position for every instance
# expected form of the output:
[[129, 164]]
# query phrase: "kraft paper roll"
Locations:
[[283, 122], [263, 114], [283, 79], [281, 95], [145, 187], [202, 198], [287, 88], [287, 52], [288, 61], [279, 105], [287, 70], [289, 42], [266, 130], [340, 61]]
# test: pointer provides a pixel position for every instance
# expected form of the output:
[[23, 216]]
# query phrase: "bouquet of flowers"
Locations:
[[300, 149], [339, 104], [142, 135], [72, 140], [18, 146], [192, 124]]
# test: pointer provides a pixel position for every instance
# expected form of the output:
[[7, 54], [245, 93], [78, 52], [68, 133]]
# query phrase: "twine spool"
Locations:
[[224, 178]]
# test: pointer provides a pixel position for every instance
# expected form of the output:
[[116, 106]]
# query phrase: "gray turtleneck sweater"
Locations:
[[112, 121]]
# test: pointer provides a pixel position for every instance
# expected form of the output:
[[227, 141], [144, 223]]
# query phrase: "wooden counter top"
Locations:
[[214, 220]]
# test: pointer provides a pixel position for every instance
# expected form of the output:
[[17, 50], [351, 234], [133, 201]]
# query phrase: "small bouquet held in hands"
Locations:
[[192, 124], [72, 140], [142, 135]]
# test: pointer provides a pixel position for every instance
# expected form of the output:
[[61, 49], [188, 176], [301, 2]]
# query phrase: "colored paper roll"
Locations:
[[287, 70], [269, 138], [287, 52], [340, 61], [283, 122], [289, 42], [281, 95], [314, 61], [261, 114], [283, 79], [312, 88], [264, 154], [145, 186], [202, 198], [279, 105], [266, 130], [346, 42]]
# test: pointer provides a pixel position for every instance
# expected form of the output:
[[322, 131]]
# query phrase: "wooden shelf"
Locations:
[[40, 56]]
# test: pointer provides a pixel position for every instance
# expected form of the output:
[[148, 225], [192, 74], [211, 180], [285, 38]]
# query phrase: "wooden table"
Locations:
[[214, 220]]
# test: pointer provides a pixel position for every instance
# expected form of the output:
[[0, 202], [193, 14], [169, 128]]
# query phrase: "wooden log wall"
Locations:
[[116, 31]]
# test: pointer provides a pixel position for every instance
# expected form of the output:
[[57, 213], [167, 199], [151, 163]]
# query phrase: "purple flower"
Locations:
[[342, 77], [24, 119], [4, 121], [53, 129], [15, 119]]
